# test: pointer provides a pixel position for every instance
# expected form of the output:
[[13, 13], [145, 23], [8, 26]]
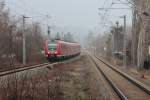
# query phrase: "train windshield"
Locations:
[[52, 47]]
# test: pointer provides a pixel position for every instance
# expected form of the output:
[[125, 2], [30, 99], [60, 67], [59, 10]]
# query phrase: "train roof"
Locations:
[[60, 41], [68, 42]]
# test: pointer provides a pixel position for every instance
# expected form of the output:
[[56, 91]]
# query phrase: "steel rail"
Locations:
[[12, 67], [114, 86], [15, 70], [3, 73], [139, 84], [8, 68]]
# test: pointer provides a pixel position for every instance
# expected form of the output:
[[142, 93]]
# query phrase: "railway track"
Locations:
[[126, 87], [8, 68], [15, 70]]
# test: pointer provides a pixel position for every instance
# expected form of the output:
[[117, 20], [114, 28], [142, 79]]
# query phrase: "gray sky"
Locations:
[[77, 16]]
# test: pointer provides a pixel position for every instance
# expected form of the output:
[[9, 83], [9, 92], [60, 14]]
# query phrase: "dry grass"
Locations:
[[70, 81]]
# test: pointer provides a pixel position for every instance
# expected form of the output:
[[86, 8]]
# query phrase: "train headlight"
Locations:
[[55, 52]]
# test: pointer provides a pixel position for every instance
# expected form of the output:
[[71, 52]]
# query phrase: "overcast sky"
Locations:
[[71, 15]]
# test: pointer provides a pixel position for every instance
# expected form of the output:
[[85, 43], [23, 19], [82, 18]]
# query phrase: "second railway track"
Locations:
[[15, 70], [126, 88]]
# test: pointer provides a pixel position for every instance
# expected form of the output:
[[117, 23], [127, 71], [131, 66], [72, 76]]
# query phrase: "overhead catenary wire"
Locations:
[[24, 10], [140, 10], [20, 10], [104, 17]]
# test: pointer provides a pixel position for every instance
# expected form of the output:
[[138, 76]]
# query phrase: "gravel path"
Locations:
[[78, 80]]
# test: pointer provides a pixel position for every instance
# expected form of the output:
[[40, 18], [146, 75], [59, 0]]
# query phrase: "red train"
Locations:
[[59, 50]]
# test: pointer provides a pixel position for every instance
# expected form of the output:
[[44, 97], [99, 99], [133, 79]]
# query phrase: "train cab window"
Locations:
[[52, 47]]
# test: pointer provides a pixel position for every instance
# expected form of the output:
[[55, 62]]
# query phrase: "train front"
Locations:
[[51, 50]]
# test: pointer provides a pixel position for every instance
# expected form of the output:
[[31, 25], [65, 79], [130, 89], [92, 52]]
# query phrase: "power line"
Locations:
[[17, 6], [27, 10], [140, 11], [113, 8], [105, 16]]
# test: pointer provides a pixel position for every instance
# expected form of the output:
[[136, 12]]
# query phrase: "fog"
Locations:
[[75, 16]]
